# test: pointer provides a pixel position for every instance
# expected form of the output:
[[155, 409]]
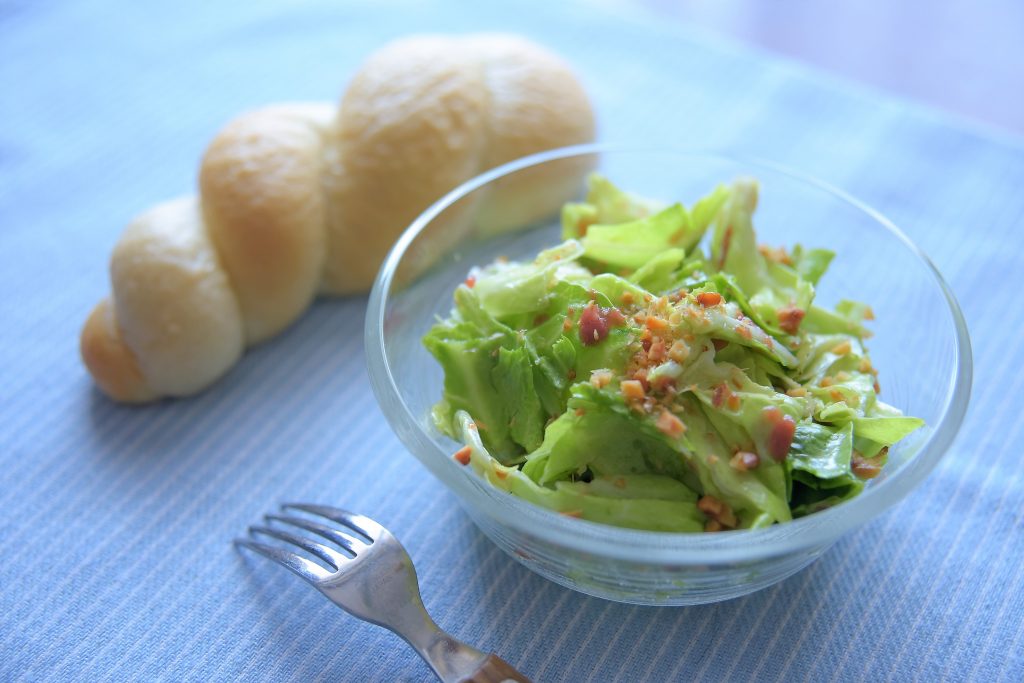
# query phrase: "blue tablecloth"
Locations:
[[115, 522]]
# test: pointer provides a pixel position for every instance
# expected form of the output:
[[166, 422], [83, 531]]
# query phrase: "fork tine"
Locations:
[[349, 543], [364, 525], [328, 555], [307, 569]]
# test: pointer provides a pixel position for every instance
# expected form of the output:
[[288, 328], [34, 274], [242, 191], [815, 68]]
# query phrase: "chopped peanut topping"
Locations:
[[744, 331], [657, 352], [826, 381], [776, 254], [710, 505], [670, 425], [790, 318], [842, 348], [796, 392], [721, 393], [866, 468], [679, 351], [501, 473], [626, 298], [744, 461], [708, 299], [728, 518], [836, 396], [868, 313], [721, 515], [600, 378], [632, 390], [723, 396], [842, 376], [462, 455], [656, 324], [865, 365]]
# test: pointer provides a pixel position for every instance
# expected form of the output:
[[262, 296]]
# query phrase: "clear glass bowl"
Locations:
[[921, 348]]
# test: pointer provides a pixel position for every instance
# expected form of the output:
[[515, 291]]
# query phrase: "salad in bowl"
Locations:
[[612, 375], [660, 369]]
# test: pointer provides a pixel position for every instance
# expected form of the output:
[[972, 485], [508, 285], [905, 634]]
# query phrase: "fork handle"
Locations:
[[494, 669]]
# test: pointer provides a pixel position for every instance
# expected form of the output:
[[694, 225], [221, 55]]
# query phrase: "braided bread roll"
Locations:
[[300, 199]]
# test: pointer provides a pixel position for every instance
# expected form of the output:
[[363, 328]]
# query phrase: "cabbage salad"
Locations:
[[632, 376]]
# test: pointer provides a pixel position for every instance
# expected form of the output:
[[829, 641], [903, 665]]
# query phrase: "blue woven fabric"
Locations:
[[115, 522]]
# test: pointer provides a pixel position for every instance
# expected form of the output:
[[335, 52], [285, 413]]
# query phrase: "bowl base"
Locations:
[[646, 584]]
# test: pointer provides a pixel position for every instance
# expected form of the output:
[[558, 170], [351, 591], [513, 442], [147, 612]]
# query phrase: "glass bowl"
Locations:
[[921, 348]]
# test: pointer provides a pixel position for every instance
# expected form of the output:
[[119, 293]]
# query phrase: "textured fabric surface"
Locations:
[[115, 523]]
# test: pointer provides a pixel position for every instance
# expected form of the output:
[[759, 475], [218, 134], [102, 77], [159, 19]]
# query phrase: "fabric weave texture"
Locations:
[[116, 522]]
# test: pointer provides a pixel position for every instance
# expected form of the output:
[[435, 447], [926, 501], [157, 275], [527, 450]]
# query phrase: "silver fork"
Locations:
[[376, 584]]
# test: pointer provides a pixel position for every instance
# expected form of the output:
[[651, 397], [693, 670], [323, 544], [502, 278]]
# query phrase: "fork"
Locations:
[[376, 582]]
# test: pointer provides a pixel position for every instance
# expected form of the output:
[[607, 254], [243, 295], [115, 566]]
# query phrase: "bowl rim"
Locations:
[[658, 547]]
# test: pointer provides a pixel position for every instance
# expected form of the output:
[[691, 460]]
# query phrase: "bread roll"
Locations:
[[297, 199]]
